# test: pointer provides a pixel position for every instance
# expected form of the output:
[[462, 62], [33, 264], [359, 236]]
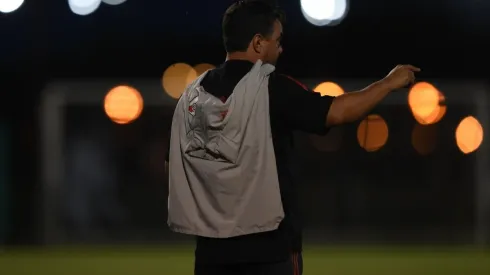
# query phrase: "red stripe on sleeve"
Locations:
[[297, 82]]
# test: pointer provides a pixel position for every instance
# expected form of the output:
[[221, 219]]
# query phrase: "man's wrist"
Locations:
[[387, 83]]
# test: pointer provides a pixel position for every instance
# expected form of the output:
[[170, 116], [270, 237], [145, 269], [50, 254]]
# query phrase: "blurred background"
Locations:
[[88, 91]]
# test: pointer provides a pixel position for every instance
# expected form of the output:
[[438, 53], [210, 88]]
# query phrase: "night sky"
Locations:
[[143, 37]]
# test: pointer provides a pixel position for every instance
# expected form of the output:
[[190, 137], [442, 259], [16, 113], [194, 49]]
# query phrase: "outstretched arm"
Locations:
[[353, 106], [309, 112]]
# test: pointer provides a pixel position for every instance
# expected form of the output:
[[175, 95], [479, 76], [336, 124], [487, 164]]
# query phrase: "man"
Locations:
[[252, 31]]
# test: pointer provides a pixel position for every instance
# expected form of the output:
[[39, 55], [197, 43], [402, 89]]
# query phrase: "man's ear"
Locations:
[[257, 43]]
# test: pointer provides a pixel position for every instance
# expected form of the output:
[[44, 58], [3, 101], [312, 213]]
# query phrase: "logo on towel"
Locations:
[[192, 106]]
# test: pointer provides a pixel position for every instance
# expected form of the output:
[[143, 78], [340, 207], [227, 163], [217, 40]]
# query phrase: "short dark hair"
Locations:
[[244, 19]]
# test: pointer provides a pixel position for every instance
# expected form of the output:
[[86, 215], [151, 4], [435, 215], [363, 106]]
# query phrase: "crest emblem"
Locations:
[[192, 106]]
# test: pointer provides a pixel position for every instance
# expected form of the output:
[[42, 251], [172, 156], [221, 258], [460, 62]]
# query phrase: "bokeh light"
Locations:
[[123, 104], [329, 88], [114, 2], [203, 67], [84, 7], [469, 135], [372, 133], [176, 78], [433, 118], [324, 12], [7, 6], [426, 103]]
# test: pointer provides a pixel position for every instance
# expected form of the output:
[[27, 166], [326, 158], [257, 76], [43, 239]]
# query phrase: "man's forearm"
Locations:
[[353, 106]]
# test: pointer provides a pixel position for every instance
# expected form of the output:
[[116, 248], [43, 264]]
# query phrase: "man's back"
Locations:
[[223, 178], [284, 94]]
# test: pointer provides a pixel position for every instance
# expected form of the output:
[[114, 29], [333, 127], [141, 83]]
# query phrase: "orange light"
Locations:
[[425, 102], [372, 133], [329, 88], [433, 118], [123, 104], [469, 135], [203, 67], [176, 78]]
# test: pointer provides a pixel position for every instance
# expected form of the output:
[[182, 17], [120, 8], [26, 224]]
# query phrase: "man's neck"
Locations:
[[240, 56]]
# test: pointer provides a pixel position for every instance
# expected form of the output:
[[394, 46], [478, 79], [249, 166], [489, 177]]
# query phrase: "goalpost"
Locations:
[[58, 95], [54, 99]]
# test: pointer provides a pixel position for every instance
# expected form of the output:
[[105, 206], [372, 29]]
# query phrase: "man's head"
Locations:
[[253, 28]]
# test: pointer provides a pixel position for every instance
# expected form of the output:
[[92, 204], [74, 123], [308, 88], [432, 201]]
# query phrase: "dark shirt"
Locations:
[[293, 107]]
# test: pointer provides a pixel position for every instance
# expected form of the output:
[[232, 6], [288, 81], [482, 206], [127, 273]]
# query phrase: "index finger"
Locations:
[[412, 68]]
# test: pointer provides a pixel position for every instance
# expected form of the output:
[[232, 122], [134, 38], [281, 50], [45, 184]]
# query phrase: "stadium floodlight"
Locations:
[[84, 7], [114, 2], [7, 6], [324, 12]]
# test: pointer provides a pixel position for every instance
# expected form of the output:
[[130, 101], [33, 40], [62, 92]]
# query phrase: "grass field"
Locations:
[[179, 261]]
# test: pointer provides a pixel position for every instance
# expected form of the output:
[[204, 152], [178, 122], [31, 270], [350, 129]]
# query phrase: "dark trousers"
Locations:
[[294, 266]]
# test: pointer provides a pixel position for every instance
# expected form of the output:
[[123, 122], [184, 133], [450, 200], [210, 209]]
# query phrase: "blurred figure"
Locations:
[[91, 194]]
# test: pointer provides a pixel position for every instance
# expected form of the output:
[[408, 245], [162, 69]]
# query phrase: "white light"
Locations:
[[7, 6], [324, 12], [319, 9], [84, 7], [114, 2]]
